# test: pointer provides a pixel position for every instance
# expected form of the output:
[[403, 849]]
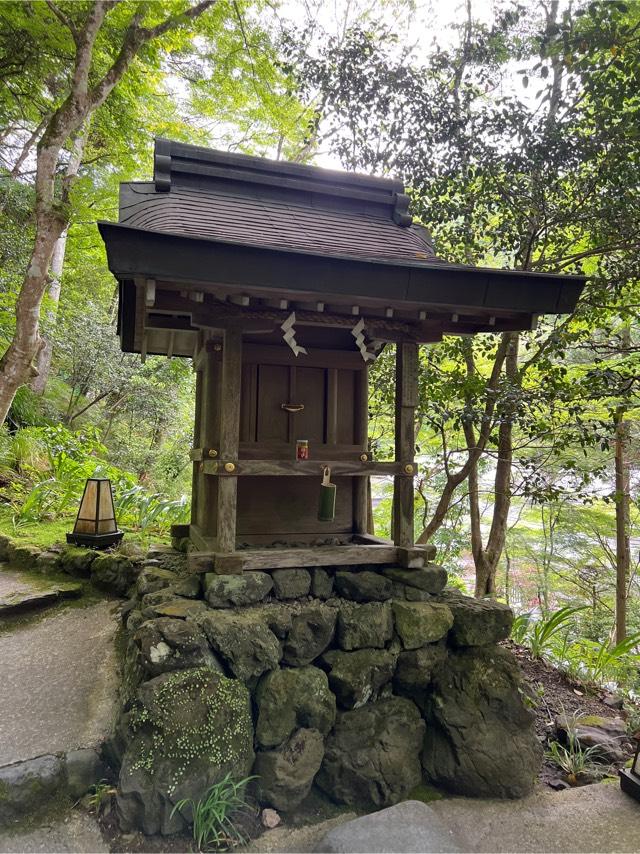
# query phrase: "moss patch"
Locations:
[[425, 793], [189, 718]]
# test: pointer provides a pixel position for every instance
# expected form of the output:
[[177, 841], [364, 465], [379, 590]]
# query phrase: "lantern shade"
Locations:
[[630, 777], [96, 520]]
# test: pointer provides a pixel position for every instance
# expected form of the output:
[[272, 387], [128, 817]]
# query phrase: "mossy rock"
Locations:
[[77, 561], [114, 573], [480, 737], [26, 787], [22, 557], [372, 757], [363, 586], [310, 634], [357, 677], [231, 591], [186, 731], [291, 583], [477, 622], [243, 640], [363, 626], [169, 644], [286, 774], [420, 623], [415, 669], [292, 698]]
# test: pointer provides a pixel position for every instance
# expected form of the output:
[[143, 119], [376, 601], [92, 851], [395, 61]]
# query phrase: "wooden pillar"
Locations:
[[197, 443], [405, 405], [360, 486], [229, 437], [208, 436]]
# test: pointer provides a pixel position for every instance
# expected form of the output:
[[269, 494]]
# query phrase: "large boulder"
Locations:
[[357, 677], [310, 634], [363, 586], [230, 591], [286, 774], [168, 644], [361, 626], [372, 757], [414, 672], [243, 640], [289, 699], [186, 731], [480, 738], [420, 623], [477, 622]]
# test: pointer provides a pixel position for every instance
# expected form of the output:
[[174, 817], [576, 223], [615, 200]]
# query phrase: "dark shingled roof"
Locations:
[[233, 228], [254, 219], [251, 200]]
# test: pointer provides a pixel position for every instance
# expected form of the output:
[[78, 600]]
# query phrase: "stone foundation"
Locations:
[[362, 682]]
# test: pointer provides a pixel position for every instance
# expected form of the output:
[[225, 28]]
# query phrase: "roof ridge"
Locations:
[[175, 160]]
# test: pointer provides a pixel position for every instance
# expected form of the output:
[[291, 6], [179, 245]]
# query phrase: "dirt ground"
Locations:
[[555, 694]]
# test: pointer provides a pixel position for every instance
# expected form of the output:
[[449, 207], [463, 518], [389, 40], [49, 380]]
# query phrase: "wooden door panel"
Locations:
[[286, 506], [310, 385], [346, 407], [273, 390]]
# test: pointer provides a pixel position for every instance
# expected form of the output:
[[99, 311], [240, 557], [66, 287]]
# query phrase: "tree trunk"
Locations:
[[623, 557], [43, 360], [487, 558], [52, 213]]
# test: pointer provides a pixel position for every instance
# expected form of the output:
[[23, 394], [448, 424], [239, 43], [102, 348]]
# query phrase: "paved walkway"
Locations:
[[73, 832], [59, 682], [598, 818]]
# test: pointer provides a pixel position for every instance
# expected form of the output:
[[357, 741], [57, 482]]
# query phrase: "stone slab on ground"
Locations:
[[72, 832], [21, 591], [598, 818], [410, 826], [295, 840], [59, 682]]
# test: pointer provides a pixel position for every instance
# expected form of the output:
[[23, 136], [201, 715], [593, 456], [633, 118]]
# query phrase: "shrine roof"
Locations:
[[236, 198], [230, 228]]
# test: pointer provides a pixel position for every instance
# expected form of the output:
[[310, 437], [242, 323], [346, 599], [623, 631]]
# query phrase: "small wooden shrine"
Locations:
[[283, 282]]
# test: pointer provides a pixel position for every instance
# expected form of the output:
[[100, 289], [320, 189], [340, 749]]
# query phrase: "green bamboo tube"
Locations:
[[327, 504]]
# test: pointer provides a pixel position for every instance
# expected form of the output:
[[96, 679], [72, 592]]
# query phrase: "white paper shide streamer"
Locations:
[[368, 349], [290, 335]]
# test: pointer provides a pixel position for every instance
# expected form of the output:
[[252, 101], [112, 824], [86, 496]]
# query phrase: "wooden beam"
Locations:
[[219, 314], [405, 404], [268, 559], [150, 292], [229, 436], [226, 468]]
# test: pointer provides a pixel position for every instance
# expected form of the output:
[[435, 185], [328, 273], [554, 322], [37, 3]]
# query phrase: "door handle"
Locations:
[[292, 407]]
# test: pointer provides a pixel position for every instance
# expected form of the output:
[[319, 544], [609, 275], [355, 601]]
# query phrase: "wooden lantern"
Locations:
[[96, 524]]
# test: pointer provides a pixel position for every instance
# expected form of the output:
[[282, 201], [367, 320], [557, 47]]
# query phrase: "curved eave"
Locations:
[[135, 252]]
